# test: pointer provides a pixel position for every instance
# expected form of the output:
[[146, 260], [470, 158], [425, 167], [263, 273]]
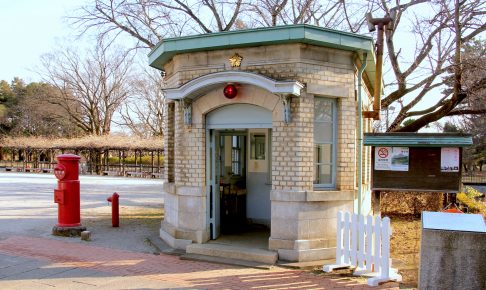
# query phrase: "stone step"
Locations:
[[226, 261], [233, 252]]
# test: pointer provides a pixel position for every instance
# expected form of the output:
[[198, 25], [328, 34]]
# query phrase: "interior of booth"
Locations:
[[243, 164]]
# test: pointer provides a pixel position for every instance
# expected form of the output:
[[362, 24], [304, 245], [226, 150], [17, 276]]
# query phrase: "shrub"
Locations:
[[405, 203], [467, 198]]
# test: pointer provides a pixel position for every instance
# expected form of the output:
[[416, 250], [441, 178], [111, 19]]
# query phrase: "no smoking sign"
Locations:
[[383, 152]]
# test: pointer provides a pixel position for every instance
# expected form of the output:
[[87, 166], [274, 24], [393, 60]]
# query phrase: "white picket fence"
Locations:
[[364, 245]]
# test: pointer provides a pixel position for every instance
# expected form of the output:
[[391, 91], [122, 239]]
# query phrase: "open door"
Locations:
[[214, 176]]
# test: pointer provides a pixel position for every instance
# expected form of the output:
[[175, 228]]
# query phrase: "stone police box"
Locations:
[[261, 132]]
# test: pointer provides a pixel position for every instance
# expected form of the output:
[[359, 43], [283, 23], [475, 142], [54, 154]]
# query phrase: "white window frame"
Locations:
[[333, 143]]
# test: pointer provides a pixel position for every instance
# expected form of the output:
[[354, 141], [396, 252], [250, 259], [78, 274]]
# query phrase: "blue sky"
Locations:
[[28, 29]]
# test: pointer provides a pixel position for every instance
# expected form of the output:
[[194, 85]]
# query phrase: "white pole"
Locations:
[[339, 238], [377, 252], [385, 256], [346, 238], [369, 243], [361, 242], [354, 239]]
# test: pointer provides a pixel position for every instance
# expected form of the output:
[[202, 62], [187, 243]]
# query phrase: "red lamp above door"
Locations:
[[230, 91]]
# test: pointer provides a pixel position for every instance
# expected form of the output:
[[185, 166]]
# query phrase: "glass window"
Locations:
[[324, 142], [236, 155], [257, 146]]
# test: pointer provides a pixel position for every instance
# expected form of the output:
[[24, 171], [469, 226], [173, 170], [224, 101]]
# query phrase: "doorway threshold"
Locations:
[[249, 247], [252, 239], [231, 252]]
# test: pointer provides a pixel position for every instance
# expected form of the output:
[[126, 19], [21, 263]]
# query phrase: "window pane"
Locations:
[[323, 174], [322, 109], [324, 143], [323, 153], [257, 146], [236, 142], [322, 132]]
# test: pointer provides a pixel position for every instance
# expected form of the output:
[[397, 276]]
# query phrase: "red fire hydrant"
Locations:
[[115, 213], [67, 196]]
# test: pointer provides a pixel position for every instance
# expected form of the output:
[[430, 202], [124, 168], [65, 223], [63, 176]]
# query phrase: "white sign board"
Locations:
[[449, 159], [391, 158], [383, 158]]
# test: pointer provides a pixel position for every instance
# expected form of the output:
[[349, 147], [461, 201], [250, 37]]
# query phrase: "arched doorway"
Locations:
[[238, 169]]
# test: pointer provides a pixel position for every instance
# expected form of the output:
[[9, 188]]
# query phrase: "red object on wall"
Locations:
[[230, 91], [115, 212], [67, 193]]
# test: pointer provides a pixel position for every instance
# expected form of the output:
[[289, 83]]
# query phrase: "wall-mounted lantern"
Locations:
[[187, 107]]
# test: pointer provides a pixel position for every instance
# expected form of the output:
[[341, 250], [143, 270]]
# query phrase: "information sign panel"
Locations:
[[391, 158]]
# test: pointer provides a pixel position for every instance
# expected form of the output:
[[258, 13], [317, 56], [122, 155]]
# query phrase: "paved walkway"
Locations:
[[42, 263], [116, 258]]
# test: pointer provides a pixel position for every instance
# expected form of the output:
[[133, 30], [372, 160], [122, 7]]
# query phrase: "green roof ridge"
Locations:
[[303, 33], [243, 31]]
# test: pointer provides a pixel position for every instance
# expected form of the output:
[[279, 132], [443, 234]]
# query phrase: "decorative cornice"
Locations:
[[201, 85]]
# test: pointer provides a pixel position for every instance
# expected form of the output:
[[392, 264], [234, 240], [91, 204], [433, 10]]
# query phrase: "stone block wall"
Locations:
[[326, 70], [293, 145], [189, 151], [169, 137], [304, 223]]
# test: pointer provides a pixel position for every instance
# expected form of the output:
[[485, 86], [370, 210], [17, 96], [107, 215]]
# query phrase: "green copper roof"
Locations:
[[417, 139], [301, 33]]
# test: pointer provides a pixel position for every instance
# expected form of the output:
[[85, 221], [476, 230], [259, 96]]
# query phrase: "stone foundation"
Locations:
[[185, 216], [304, 223]]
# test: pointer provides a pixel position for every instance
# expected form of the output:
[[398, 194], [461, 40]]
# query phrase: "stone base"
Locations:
[[452, 259], [196, 236], [174, 243], [68, 231], [306, 255]]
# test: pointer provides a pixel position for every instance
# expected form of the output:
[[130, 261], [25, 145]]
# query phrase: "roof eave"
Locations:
[[302, 33], [417, 140]]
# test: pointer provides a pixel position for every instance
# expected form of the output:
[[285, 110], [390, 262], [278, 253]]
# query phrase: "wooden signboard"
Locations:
[[416, 168]]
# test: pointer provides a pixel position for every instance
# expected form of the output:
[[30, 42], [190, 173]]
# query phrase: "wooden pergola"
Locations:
[[102, 155]]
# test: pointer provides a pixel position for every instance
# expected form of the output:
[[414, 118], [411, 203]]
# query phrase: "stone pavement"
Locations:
[[43, 263]]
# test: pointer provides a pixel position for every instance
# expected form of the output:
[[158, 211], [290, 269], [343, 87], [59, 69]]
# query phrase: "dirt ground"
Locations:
[[405, 249], [140, 223]]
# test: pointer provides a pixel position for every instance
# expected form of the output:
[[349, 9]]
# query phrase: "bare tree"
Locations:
[[474, 70], [150, 21], [336, 14], [438, 30], [143, 114], [90, 88], [439, 37]]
